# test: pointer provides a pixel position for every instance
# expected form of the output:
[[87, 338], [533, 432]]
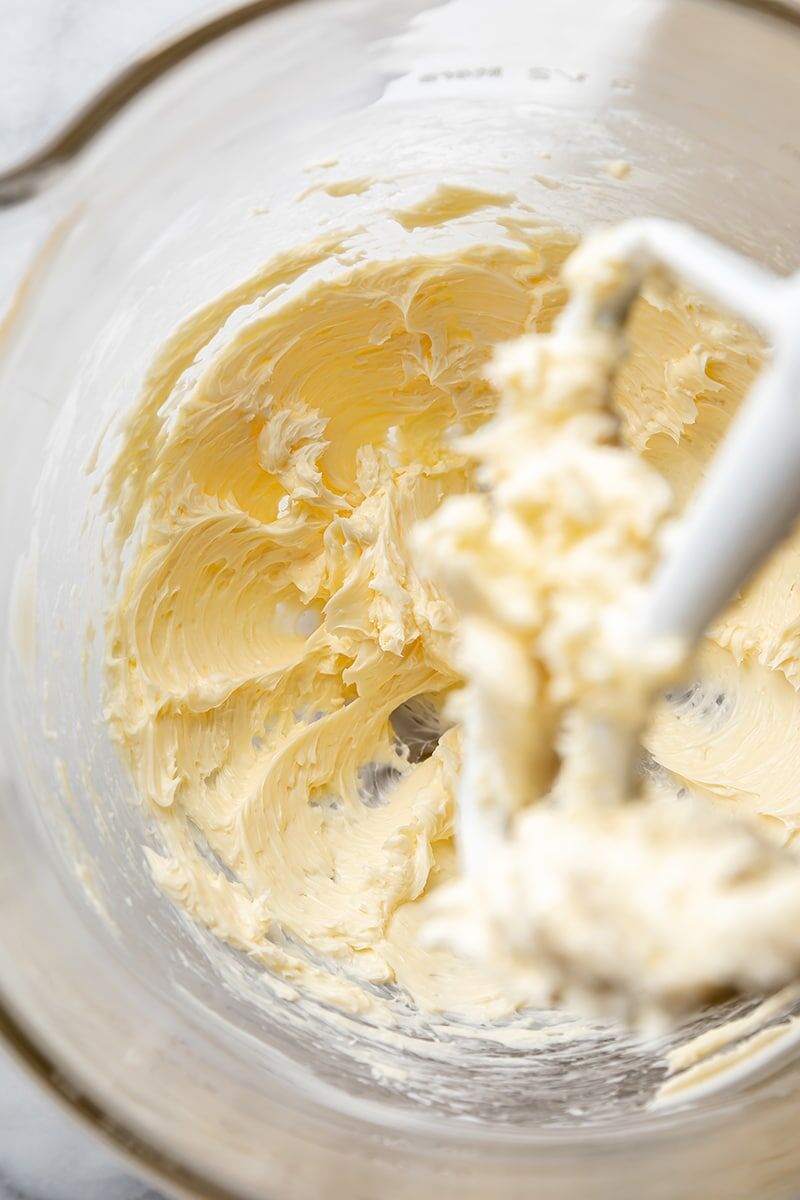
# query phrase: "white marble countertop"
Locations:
[[46, 1155], [53, 55]]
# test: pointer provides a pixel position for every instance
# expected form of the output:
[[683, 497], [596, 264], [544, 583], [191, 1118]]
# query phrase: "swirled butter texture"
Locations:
[[280, 666]]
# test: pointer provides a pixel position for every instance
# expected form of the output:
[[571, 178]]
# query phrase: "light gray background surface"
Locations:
[[53, 56]]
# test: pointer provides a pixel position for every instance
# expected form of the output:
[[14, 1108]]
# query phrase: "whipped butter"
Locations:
[[288, 604]]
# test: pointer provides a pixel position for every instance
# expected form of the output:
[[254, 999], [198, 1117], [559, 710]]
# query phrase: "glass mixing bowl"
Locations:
[[164, 1039]]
